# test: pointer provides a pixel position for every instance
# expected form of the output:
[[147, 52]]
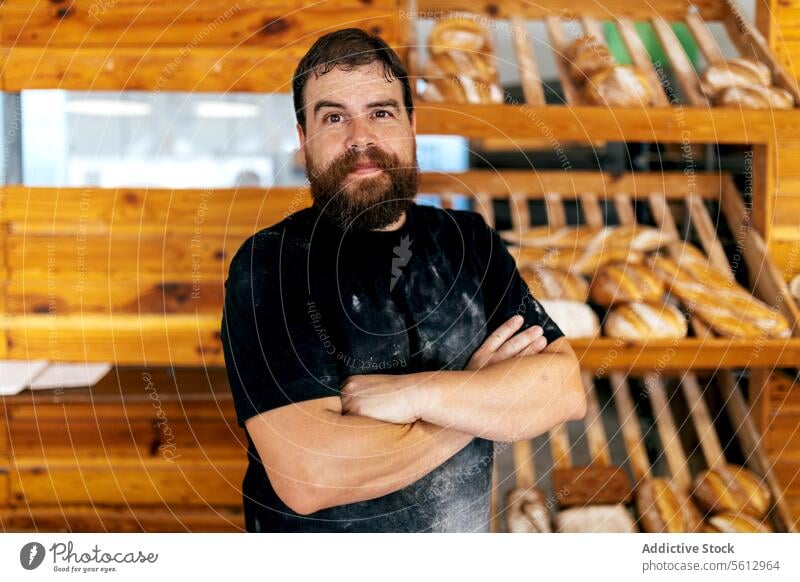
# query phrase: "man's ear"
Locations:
[[302, 138]]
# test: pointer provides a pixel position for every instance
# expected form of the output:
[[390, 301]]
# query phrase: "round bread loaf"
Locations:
[[664, 507], [737, 72], [527, 511], [596, 519], [619, 86], [586, 56], [548, 283], [732, 488], [576, 319]]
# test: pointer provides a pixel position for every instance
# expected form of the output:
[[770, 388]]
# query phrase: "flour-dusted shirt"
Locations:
[[308, 305]]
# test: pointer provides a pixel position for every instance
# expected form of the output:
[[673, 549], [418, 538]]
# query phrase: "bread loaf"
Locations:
[[755, 97], [734, 73], [625, 283], [619, 86], [634, 237], [729, 522], [732, 488], [586, 56], [794, 287], [577, 260], [576, 320], [664, 507], [565, 237], [527, 512], [596, 519], [643, 321], [724, 305], [548, 283]]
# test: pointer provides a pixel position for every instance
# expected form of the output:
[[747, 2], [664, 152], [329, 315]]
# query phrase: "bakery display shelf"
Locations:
[[678, 113], [676, 202], [681, 464]]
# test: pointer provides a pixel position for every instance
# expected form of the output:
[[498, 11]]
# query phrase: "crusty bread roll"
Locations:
[[737, 72], [664, 507], [724, 305], [547, 283], [527, 511], [596, 519], [755, 97], [732, 488], [576, 319], [458, 88], [619, 86], [635, 237], [642, 321], [624, 283], [586, 56], [729, 522]]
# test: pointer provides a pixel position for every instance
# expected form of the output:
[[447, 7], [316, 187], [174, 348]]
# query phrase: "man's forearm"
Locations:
[[345, 459], [510, 400]]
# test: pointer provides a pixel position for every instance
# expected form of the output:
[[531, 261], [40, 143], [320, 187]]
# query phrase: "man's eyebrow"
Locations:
[[382, 103]]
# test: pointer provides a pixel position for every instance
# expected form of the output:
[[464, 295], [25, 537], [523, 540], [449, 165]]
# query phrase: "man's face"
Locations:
[[359, 147]]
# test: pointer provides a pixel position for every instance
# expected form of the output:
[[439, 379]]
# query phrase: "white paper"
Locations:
[[70, 375], [16, 375]]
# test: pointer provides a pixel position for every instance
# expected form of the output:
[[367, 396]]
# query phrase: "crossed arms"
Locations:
[[387, 431]]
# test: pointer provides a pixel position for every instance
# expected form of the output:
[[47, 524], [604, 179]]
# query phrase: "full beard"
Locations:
[[362, 203]]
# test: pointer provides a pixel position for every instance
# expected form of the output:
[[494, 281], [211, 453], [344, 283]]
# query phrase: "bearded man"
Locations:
[[377, 349]]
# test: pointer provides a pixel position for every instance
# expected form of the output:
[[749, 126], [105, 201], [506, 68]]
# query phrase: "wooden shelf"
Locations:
[[680, 113], [685, 445]]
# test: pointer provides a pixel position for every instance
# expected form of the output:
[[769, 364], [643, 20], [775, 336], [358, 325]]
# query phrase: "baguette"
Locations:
[[755, 97], [734, 73], [624, 283], [643, 321], [728, 522], [732, 488], [663, 507]]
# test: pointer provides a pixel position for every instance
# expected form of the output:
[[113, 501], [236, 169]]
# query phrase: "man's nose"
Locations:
[[360, 134]]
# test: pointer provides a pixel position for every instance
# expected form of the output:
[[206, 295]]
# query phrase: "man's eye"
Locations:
[[331, 116], [381, 111]]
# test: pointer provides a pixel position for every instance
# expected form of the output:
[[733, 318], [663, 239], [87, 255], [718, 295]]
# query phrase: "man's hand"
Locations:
[[395, 398], [502, 344]]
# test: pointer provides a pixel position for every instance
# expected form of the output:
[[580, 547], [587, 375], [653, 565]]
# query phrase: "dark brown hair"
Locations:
[[347, 49]]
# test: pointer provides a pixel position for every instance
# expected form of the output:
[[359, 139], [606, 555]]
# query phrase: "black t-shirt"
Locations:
[[308, 305]]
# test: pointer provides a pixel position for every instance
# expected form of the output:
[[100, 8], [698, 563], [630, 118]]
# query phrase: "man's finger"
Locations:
[[535, 347], [499, 336], [519, 342]]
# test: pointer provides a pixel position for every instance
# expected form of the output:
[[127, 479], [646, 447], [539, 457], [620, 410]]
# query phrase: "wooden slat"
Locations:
[[559, 46], [751, 443], [707, 233], [520, 213], [706, 433], [485, 207], [530, 78], [592, 210], [592, 27], [631, 431], [666, 222], [556, 215], [668, 432], [641, 59], [752, 44], [560, 446], [122, 340], [682, 67], [93, 518], [139, 482], [524, 469], [595, 433], [589, 122], [705, 41], [184, 23], [767, 281], [624, 208]]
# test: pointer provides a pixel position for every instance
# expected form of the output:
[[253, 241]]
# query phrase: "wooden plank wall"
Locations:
[[180, 45], [776, 171]]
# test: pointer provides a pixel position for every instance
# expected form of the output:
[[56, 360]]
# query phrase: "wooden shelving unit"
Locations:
[[679, 114]]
